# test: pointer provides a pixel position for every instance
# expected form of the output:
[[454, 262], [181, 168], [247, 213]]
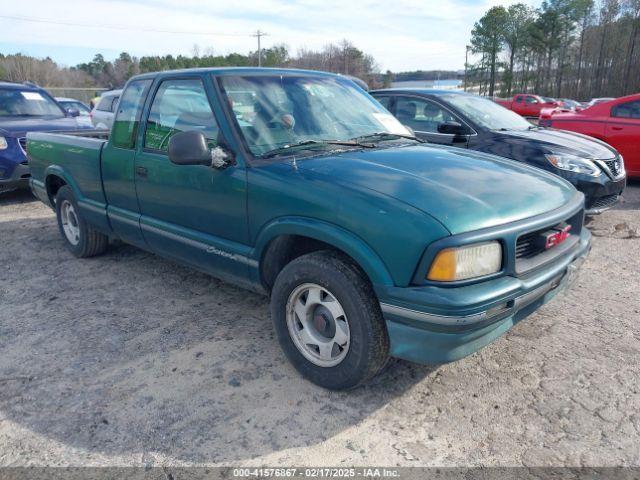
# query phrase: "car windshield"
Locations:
[[486, 113], [27, 103], [277, 111]]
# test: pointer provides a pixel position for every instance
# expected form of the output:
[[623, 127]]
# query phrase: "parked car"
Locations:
[[299, 184], [103, 113], [527, 105], [569, 104], [469, 121], [71, 105], [616, 122], [25, 108], [595, 101]]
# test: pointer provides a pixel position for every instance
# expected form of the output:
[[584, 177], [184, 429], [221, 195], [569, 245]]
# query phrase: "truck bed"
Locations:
[[69, 154]]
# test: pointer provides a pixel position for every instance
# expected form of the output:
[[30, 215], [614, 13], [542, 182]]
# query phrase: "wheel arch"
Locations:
[[54, 178], [288, 238]]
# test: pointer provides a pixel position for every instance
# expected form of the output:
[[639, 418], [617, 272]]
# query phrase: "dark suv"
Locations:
[[463, 120], [26, 108]]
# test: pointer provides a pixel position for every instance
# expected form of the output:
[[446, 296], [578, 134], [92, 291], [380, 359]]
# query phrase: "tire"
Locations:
[[345, 364], [79, 238]]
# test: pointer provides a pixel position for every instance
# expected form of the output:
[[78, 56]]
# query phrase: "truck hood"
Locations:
[[18, 127], [463, 190], [560, 141]]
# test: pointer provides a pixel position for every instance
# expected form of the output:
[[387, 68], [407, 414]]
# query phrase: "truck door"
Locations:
[[425, 117], [531, 107], [118, 165], [193, 213]]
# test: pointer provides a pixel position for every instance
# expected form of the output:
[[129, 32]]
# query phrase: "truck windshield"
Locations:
[[486, 113], [27, 103], [275, 111]]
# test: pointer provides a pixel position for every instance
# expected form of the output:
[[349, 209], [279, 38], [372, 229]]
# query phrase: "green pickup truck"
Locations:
[[300, 185]]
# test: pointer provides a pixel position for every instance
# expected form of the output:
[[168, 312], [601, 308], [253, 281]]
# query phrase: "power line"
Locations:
[[124, 27]]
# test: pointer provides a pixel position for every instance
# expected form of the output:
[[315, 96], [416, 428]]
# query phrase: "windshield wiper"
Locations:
[[383, 135], [308, 144]]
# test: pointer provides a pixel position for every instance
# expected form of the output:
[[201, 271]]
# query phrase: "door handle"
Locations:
[[616, 128], [141, 172]]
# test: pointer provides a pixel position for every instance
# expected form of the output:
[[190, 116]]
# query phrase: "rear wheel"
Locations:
[[328, 320], [80, 238]]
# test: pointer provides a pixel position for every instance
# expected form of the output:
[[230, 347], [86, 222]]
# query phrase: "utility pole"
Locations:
[[466, 63], [258, 35]]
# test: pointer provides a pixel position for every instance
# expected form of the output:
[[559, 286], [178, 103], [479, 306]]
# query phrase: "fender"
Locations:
[[332, 234], [94, 212]]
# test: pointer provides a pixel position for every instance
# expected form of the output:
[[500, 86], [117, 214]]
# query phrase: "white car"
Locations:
[[103, 113]]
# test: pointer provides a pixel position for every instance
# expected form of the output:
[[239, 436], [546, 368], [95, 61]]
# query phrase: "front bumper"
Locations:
[[476, 314], [601, 193], [19, 178], [14, 171]]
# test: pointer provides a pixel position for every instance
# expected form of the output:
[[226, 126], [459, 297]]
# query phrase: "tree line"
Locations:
[[342, 57], [566, 48]]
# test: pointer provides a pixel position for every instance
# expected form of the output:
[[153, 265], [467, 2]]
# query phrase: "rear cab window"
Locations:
[[127, 119]]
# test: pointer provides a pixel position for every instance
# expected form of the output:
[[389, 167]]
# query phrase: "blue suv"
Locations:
[[27, 108]]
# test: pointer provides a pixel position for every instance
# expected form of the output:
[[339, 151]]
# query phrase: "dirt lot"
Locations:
[[128, 359]]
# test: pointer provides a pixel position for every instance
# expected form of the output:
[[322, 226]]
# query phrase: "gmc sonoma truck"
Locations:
[[300, 185]]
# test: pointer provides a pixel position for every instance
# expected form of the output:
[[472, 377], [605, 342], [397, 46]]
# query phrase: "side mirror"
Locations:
[[452, 128], [73, 112], [191, 148]]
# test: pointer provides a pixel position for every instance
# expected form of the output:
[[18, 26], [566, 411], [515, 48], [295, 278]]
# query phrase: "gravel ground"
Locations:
[[129, 359]]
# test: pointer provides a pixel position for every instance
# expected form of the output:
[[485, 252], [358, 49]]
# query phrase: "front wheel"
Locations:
[[80, 238], [328, 320]]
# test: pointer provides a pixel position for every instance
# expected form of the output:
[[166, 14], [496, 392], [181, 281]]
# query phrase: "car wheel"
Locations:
[[80, 238], [328, 320]]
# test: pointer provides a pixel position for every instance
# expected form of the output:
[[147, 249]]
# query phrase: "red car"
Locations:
[[527, 105], [616, 122]]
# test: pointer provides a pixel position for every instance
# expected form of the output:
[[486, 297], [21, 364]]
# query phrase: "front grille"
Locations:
[[614, 165], [604, 202], [527, 247], [23, 143], [531, 247]]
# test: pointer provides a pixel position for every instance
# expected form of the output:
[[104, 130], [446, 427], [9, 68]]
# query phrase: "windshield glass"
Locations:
[[27, 103], [486, 113], [273, 111]]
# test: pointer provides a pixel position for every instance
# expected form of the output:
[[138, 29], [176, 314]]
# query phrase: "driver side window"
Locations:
[[180, 105], [420, 114]]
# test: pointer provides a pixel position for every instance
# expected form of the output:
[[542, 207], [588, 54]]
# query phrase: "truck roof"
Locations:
[[239, 70]]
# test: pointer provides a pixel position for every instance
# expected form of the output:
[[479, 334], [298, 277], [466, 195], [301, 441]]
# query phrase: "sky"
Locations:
[[402, 35]]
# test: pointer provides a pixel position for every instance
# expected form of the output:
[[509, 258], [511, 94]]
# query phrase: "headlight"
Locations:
[[466, 262], [3, 143], [573, 163]]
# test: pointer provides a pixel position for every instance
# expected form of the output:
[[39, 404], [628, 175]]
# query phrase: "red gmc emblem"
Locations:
[[557, 237]]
